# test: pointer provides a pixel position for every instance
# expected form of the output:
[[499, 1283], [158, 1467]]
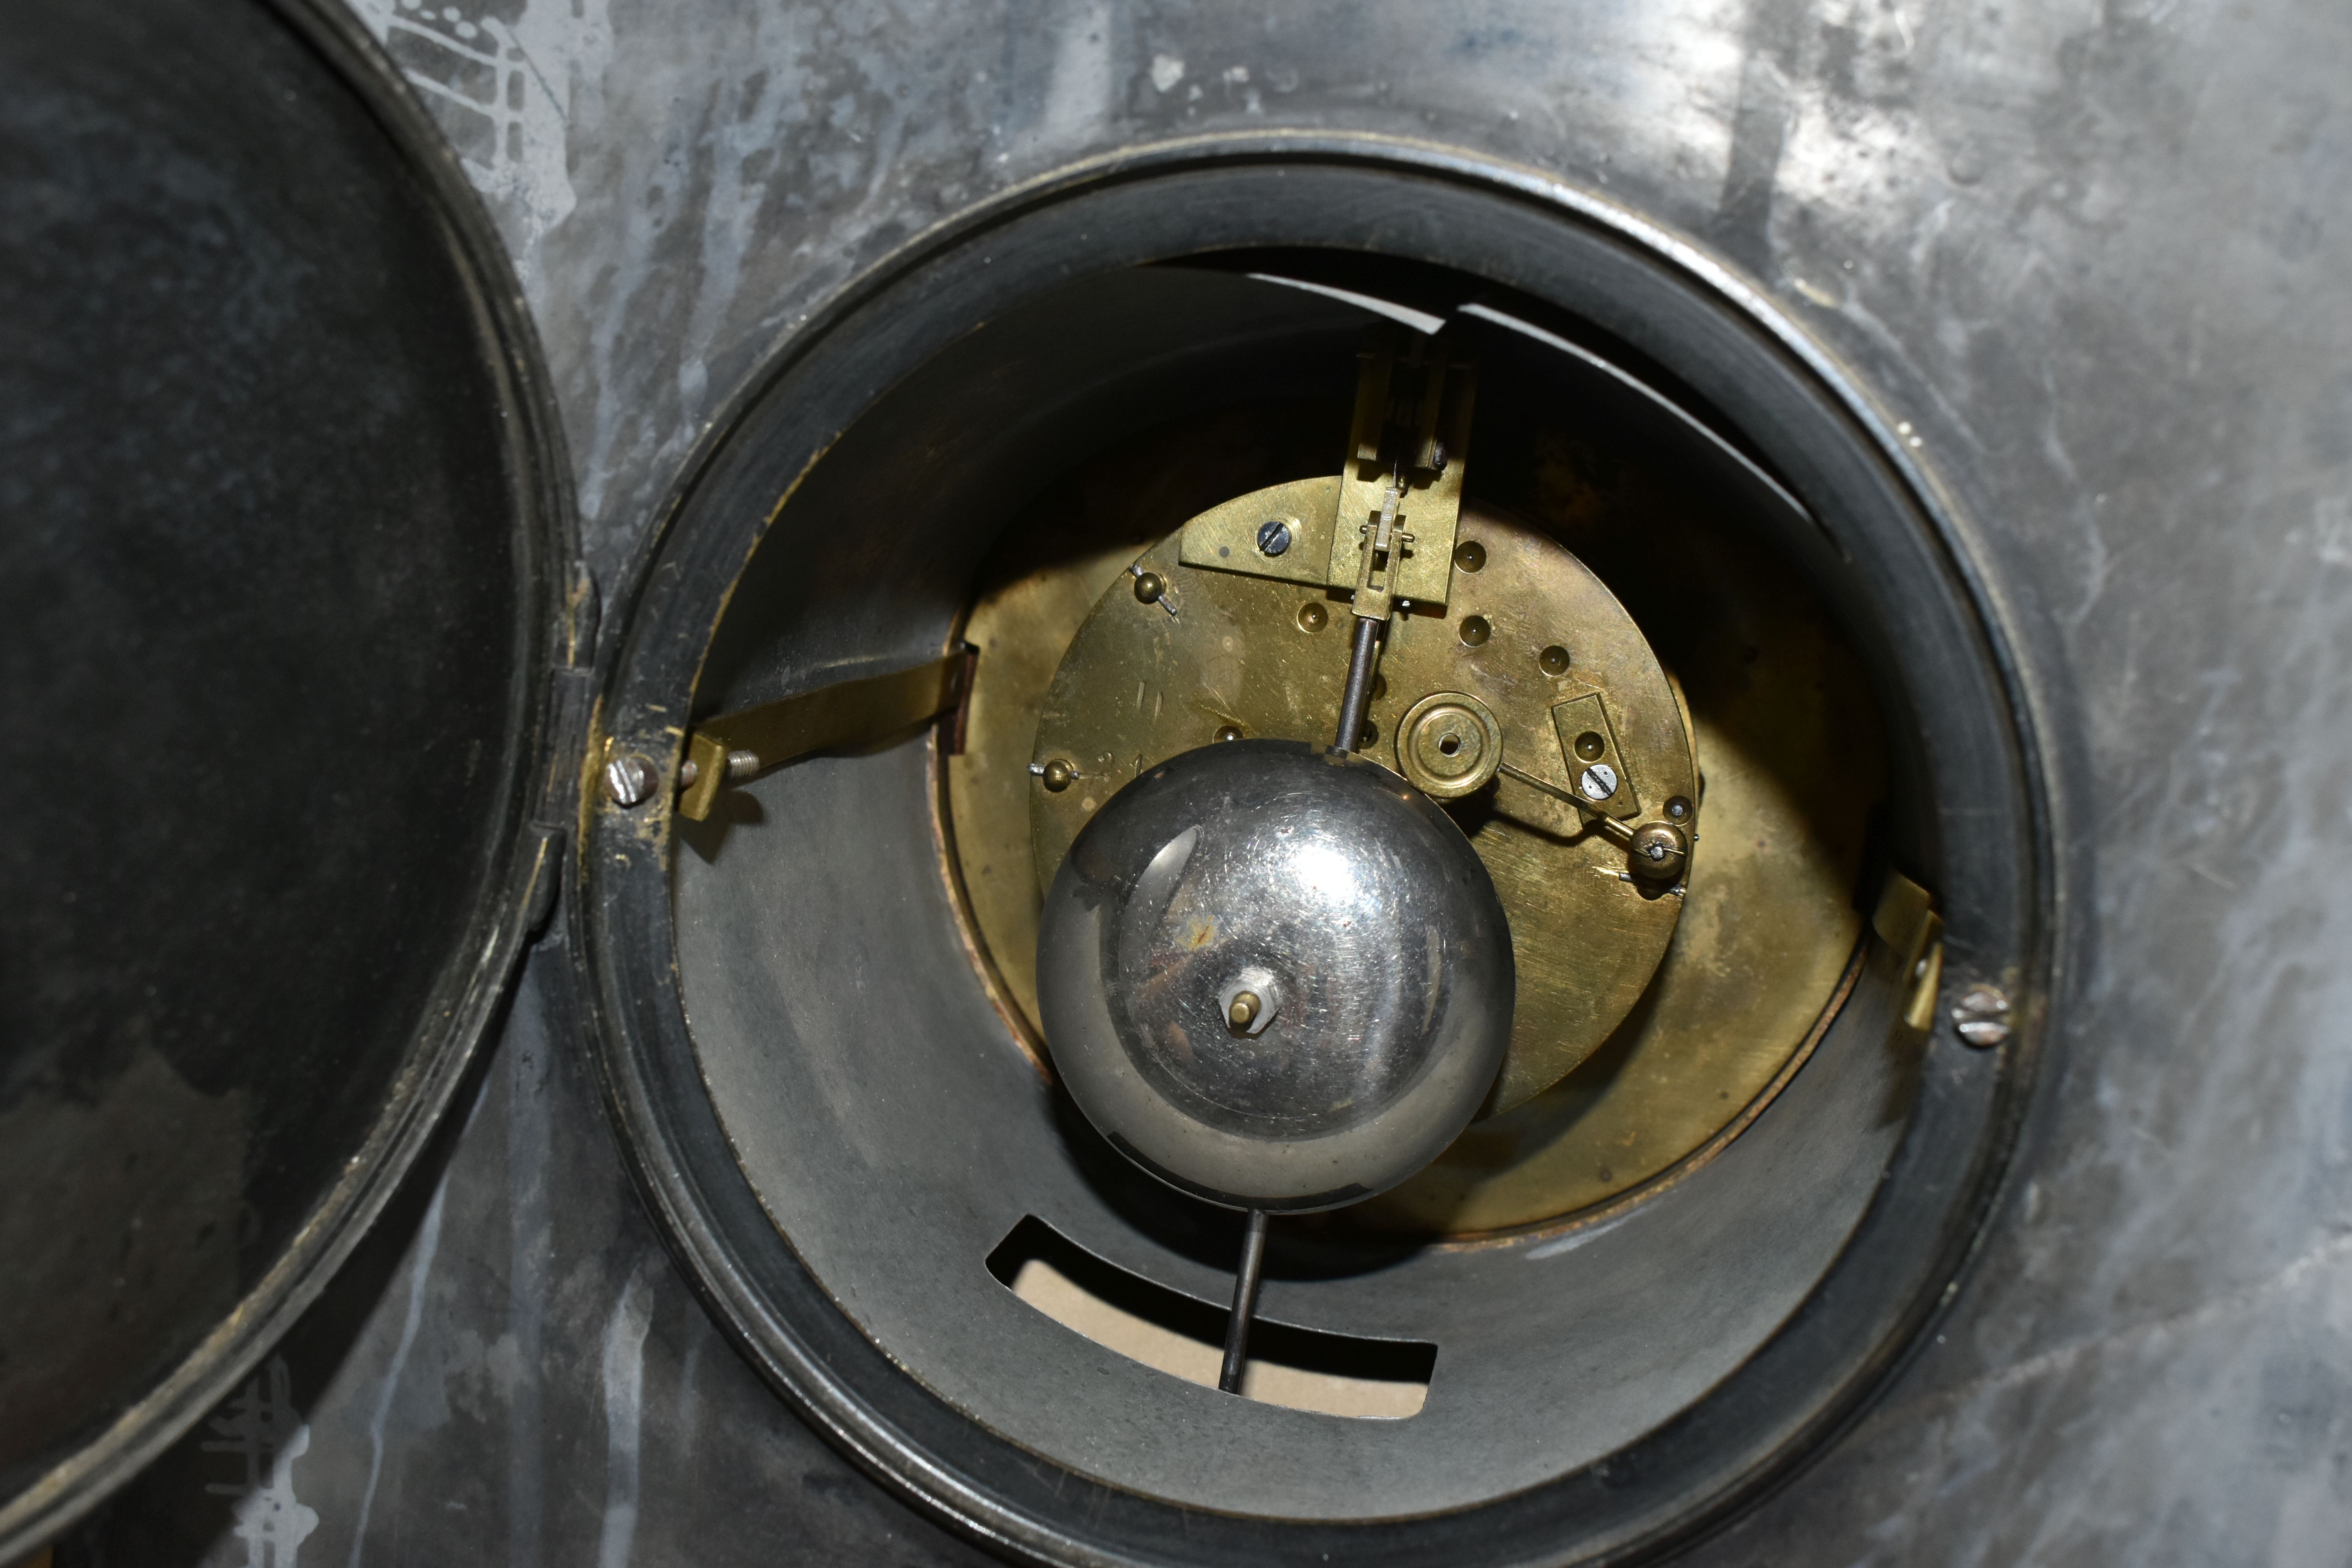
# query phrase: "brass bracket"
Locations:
[[1383, 528], [1228, 538], [1906, 922], [1589, 742], [734, 747], [1399, 504]]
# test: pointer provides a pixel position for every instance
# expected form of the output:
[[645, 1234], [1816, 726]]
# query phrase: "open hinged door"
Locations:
[[286, 567]]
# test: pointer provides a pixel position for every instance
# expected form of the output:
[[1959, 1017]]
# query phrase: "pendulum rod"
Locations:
[[1363, 660], [1245, 1283]]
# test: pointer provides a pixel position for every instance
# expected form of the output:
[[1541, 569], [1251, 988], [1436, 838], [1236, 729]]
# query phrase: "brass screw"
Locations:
[[1311, 617], [1553, 661], [1469, 555], [1243, 1011], [1148, 587], [1476, 631], [1058, 774], [1229, 731]]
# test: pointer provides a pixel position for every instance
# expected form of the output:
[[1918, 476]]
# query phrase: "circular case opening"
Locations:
[[814, 1001]]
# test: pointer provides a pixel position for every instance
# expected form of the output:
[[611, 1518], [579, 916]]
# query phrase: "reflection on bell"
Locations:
[[1276, 977]]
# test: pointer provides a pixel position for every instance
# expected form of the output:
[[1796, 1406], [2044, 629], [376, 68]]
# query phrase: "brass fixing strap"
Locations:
[[737, 746], [1906, 922]]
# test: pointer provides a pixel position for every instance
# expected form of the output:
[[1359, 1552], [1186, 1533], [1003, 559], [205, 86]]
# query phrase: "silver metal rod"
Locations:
[[1245, 1283], [1616, 832], [1359, 694]]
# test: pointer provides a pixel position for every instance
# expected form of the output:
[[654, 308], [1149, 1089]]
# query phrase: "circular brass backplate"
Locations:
[[1220, 650], [1785, 727]]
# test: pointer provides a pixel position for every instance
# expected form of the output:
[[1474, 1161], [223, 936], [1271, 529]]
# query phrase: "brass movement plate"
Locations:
[[1786, 731], [1242, 653]]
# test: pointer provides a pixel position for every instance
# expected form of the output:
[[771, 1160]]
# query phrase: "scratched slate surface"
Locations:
[[2092, 251], [509, 1372]]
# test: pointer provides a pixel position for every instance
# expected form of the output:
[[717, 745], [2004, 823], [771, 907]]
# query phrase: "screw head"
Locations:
[[1553, 661], [1274, 536], [1476, 631], [1229, 731], [1312, 617], [629, 780], [1058, 774], [1149, 587], [1658, 851], [1597, 783], [1469, 555], [1981, 1016]]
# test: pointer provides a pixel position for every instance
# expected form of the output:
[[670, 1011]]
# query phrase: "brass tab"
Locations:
[[741, 745], [1901, 919], [1589, 743], [1926, 980], [1906, 922], [1427, 449], [1226, 538]]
